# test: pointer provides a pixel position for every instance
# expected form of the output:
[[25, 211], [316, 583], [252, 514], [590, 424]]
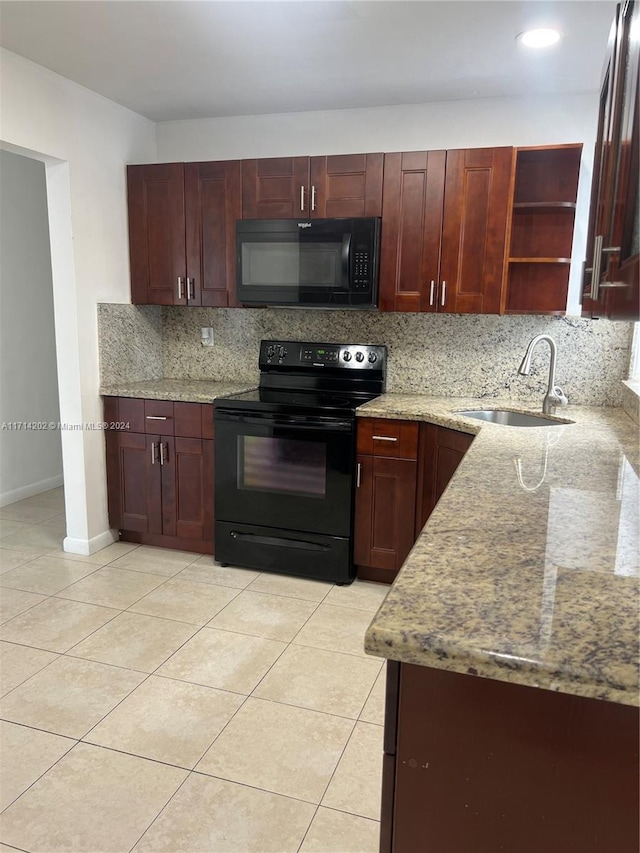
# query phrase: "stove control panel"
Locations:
[[292, 354]]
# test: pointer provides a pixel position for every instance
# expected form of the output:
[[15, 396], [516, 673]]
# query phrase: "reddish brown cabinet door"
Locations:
[[187, 488], [134, 481], [474, 230], [213, 203], [412, 229], [344, 185], [182, 232], [444, 230], [441, 451], [385, 505], [156, 234]]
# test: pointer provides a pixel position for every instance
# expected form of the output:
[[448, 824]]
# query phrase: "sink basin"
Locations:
[[507, 418]]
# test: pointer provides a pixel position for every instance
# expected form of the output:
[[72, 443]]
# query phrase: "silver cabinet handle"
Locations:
[[384, 437], [444, 292], [156, 417], [153, 452], [191, 289], [180, 289], [163, 458], [301, 198], [358, 475], [433, 284], [614, 285], [313, 197], [597, 266]]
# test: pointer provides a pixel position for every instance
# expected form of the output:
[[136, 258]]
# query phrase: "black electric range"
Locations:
[[285, 459]]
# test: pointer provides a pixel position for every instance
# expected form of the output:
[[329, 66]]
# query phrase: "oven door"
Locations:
[[292, 472]]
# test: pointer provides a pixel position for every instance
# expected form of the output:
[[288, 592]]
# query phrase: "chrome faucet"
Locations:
[[554, 396]]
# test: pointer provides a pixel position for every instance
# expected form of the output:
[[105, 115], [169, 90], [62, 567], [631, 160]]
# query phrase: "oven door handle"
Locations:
[[289, 422]]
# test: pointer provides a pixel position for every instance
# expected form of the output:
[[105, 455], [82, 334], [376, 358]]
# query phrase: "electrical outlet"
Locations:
[[206, 336]]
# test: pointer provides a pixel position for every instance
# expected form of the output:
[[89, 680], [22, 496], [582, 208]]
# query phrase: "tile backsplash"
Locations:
[[445, 354]]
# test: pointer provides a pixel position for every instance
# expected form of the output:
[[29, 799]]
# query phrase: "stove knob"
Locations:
[[359, 356], [347, 355], [372, 357], [270, 351]]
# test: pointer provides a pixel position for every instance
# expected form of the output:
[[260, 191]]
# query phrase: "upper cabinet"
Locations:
[[542, 222], [445, 229], [345, 185], [182, 220], [611, 271]]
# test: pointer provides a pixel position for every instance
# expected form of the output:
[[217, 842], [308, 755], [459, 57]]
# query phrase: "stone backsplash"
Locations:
[[445, 354], [130, 342]]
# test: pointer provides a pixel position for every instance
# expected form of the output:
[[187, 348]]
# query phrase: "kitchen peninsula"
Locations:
[[512, 639]]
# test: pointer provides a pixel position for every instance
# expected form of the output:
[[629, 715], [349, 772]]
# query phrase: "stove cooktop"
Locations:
[[266, 399]]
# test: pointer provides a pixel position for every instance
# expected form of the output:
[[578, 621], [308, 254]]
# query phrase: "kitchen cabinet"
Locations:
[[611, 287], [343, 185], [542, 223], [182, 220], [160, 472], [403, 468], [476, 764], [444, 230]]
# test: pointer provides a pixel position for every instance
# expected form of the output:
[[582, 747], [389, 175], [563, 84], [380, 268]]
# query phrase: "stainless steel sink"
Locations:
[[507, 418]]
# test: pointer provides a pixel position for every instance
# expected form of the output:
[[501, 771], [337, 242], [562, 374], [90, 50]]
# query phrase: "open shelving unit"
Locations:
[[542, 222]]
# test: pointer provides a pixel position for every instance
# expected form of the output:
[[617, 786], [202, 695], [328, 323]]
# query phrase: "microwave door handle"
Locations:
[[346, 256]]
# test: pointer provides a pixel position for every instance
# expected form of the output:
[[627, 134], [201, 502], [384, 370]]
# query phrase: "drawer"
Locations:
[[158, 417], [390, 438], [125, 410]]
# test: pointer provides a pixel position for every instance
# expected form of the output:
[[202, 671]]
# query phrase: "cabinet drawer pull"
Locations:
[[153, 452], [358, 474], [384, 437], [156, 417], [301, 198], [180, 290], [444, 292]]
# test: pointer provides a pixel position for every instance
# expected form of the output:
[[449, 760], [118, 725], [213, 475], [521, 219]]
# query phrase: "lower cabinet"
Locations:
[[160, 472], [403, 468], [474, 764]]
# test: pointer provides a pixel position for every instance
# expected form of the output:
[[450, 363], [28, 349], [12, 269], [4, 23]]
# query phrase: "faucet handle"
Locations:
[[560, 396]]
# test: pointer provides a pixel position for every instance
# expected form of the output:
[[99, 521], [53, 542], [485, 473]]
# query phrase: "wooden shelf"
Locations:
[[544, 206], [539, 260]]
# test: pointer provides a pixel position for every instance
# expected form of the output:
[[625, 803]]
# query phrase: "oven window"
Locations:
[[291, 264], [283, 465]]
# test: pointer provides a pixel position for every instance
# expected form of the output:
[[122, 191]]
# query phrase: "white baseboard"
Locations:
[[89, 546], [30, 490]]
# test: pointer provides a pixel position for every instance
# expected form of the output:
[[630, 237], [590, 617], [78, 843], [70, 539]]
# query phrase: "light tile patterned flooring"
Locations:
[[154, 701]]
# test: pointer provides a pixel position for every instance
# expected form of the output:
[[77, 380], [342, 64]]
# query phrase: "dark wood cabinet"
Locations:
[[160, 479], [182, 232], [474, 764], [444, 230], [611, 287], [344, 185], [403, 468], [542, 223]]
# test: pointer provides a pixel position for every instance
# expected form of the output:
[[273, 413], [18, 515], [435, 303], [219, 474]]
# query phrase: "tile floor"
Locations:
[[151, 700]]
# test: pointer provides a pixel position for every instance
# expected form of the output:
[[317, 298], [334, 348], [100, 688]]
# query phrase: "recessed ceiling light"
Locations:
[[539, 38]]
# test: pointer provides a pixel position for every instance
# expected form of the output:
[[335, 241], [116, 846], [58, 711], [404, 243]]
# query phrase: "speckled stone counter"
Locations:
[[178, 390], [527, 570]]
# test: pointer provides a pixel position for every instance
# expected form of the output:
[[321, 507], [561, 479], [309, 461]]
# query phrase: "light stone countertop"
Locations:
[[178, 390], [527, 570]]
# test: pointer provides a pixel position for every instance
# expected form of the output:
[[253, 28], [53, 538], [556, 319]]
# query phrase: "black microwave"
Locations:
[[317, 263]]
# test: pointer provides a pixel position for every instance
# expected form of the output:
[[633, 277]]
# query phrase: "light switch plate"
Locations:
[[206, 336]]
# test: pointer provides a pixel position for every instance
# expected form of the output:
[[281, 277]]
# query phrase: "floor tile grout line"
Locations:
[[337, 764], [15, 687], [30, 607]]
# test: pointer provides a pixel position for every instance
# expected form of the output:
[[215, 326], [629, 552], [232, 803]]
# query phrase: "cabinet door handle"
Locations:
[[191, 289], [597, 266], [358, 474], [163, 458], [180, 288], [431, 292], [444, 292], [156, 417], [153, 452], [313, 197], [301, 198], [384, 437]]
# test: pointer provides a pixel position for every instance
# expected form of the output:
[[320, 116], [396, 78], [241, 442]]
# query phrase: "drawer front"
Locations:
[[188, 420], [130, 411], [158, 417], [389, 438]]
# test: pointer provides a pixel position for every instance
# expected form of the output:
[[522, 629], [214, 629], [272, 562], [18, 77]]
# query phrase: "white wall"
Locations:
[[30, 461], [85, 141], [452, 124]]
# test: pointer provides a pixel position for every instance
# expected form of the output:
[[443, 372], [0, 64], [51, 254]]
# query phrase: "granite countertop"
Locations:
[[179, 390], [527, 570]]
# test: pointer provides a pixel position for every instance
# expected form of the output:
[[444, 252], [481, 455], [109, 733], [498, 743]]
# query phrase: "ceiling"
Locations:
[[190, 59]]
